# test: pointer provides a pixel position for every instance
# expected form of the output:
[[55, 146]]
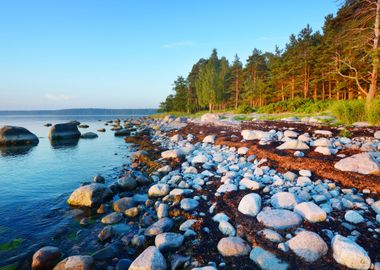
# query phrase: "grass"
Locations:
[[9, 267], [15, 243]]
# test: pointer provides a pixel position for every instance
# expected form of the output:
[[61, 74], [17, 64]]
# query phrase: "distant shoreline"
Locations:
[[76, 112]]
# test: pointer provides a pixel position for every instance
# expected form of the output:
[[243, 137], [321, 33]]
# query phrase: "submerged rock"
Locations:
[[89, 135], [89, 195], [11, 135]]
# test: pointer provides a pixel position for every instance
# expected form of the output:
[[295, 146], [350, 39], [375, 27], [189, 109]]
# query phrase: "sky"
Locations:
[[127, 53]]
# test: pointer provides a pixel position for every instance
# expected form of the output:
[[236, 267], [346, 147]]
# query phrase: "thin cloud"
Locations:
[[57, 97], [184, 43]]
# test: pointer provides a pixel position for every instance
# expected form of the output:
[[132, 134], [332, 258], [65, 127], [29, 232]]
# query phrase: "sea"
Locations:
[[36, 182]]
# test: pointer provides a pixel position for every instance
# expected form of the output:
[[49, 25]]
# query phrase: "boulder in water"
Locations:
[[11, 135], [64, 131]]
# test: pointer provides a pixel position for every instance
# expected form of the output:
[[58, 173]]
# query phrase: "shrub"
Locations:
[[244, 109], [349, 111], [373, 112], [299, 105]]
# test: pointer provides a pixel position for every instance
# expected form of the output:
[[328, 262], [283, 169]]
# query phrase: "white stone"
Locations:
[[362, 163], [271, 235], [250, 204], [169, 154], [350, 254], [377, 135], [311, 212], [279, 219], [323, 132], [189, 204], [376, 207], [158, 190], [322, 142], [209, 139], [324, 151], [227, 188], [150, 259], [291, 134], [293, 145], [187, 224], [353, 217], [249, 184], [199, 159], [220, 217], [303, 181], [233, 246], [209, 118], [250, 135], [267, 260], [242, 150], [226, 228], [308, 245], [306, 173], [284, 200]]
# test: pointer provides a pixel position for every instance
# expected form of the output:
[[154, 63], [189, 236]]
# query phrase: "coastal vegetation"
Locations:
[[335, 70]]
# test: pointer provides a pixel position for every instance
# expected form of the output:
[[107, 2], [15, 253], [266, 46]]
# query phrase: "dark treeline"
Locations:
[[339, 63]]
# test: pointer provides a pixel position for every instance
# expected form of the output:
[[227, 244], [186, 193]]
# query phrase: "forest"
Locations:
[[338, 63]]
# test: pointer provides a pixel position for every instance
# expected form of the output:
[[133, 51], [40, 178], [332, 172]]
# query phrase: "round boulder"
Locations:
[[233, 246], [46, 258], [10, 135]]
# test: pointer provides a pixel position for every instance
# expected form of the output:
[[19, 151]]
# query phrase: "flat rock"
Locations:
[[279, 219], [189, 204], [267, 260], [162, 225], [311, 212], [89, 135], [159, 190], [89, 195], [169, 241], [233, 246], [293, 145], [150, 259], [250, 204], [209, 139], [353, 217], [284, 200], [250, 135], [350, 254], [271, 235], [308, 245], [363, 163], [11, 135], [76, 263]]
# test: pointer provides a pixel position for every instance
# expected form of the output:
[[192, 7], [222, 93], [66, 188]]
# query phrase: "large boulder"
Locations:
[[76, 263], [308, 245], [46, 258], [10, 135], [150, 259], [363, 163], [65, 131], [89, 195], [279, 219], [233, 246], [350, 254]]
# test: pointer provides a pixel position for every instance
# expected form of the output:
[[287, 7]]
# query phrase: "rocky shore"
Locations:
[[218, 194]]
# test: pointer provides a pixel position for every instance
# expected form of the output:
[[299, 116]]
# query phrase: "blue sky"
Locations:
[[127, 53]]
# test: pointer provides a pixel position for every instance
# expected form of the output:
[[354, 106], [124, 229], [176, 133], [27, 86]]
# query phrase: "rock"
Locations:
[[89, 135], [233, 246], [162, 210], [108, 252], [176, 138], [362, 163], [112, 218], [305, 173], [199, 159], [209, 139], [187, 224], [189, 204], [291, 134], [46, 258], [159, 190], [123, 204], [376, 207], [249, 184], [101, 130], [250, 204], [242, 150], [323, 142], [377, 135], [226, 228], [311, 212], [250, 135], [123, 264], [150, 259], [325, 151], [179, 262], [266, 260], [353, 217], [11, 135], [308, 245], [99, 179], [350, 254], [209, 118], [169, 241], [323, 132], [122, 132], [226, 188], [127, 182], [271, 235], [160, 226], [76, 263], [279, 219], [105, 234], [132, 212], [172, 154], [64, 131], [89, 195], [284, 200], [293, 145]]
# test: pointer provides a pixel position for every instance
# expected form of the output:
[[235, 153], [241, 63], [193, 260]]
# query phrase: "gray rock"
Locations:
[[363, 163], [89, 195], [284, 200], [150, 259], [64, 131], [233, 246], [162, 210], [189, 204], [169, 241], [293, 145], [279, 219], [76, 263], [353, 217], [46, 258], [376, 207], [123, 204], [250, 204], [127, 182], [158, 190], [11, 135], [308, 245], [271, 235], [267, 260], [160, 226], [112, 218], [89, 135]]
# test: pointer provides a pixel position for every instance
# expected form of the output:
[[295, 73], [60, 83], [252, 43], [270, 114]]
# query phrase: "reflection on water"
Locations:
[[68, 143], [14, 150]]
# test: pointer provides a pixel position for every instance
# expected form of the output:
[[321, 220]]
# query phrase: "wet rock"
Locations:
[[353, 217], [112, 218], [11, 135], [150, 259], [64, 131], [105, 234], [99, 179], [123, 204], [189, 204], [160, 226], [311, 212], [123, 264], [46, 258], [279, 219], [101, 130], [308, 245], [250, 204], [363, 163], [233, 246], [158, 190], [179, 262], [169, 241], [89, 195], [89, 135], [122, 132], [284, 200], [131, 212], [76, 263], [350, 254], [108, 252], [127, 183], [293, 145], [162, 210], [266, 260]]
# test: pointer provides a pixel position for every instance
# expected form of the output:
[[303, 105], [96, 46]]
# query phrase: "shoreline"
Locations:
[[213, 185]]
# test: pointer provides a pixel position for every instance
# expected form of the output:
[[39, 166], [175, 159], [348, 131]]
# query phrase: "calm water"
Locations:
[[35, 183]]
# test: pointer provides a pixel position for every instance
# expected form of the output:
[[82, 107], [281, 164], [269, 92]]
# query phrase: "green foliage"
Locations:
[[9, 267], [373, 112], [244, 109], [349, 111], [243, 118], [297, 105], [15, 243], [345, 133]]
